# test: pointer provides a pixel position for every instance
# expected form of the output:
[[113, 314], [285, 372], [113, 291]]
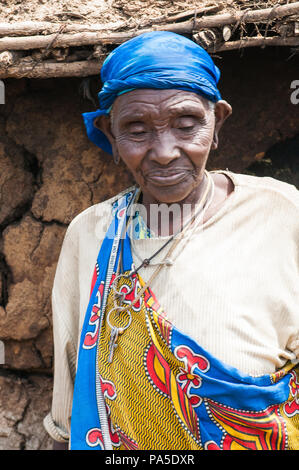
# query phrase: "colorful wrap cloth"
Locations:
[[159, 60], [162, 391]]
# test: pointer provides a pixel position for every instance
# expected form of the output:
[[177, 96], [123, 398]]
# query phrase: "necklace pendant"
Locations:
[[112, 343], [145, 262]]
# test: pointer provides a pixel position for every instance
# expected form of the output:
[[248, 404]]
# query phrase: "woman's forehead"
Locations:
[[139, 102]]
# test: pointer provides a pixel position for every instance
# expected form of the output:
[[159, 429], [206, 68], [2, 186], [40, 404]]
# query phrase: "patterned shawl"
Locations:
[[162, 390]]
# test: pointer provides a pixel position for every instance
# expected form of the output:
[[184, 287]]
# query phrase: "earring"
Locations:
[[116, 158], [214, 142]]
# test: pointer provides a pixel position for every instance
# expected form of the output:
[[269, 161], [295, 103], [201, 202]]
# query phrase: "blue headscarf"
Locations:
[[160, 60]]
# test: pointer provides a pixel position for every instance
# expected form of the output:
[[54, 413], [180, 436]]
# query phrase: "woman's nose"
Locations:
[[164, 148]]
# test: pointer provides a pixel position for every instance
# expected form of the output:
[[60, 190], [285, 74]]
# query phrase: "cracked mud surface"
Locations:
[[50, 172], [22, 402]]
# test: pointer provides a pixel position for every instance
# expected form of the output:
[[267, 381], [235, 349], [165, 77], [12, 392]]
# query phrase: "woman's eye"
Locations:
[[185, 124], [186, 128], [137, 131]]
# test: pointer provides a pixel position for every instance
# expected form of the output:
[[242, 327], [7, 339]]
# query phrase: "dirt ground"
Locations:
[[102, 11], [111, 11]]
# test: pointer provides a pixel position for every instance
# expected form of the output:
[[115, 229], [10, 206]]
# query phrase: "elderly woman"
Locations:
[[175, 303]]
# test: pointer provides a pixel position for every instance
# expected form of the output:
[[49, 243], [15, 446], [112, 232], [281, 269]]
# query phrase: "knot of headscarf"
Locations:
[[159, 60]]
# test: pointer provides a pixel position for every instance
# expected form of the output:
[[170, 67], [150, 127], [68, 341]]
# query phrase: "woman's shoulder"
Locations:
[[269, 187], [99, 213]]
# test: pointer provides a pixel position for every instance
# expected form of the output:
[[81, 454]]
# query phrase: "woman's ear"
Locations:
[[222, 111], [103, 123]]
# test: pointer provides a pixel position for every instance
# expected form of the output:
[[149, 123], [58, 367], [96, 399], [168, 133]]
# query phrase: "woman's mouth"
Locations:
[[167, 178]]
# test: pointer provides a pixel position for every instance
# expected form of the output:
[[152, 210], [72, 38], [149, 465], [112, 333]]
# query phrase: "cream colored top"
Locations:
[[233, 287]]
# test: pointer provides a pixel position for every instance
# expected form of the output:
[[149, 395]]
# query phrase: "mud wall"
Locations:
[[50, 172]]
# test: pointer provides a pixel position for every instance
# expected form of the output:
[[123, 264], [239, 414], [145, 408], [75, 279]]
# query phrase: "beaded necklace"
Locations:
[[176, 238]]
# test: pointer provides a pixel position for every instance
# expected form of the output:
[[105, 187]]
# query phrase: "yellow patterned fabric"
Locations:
[[153, 390], [142, 425]]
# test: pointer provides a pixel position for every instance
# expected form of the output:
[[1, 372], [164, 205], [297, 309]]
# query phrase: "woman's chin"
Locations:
[[168, 194]]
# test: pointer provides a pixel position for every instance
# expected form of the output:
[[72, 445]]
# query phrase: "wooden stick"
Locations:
[[252, 16], [34, 27], [40, 42], [24, 28], [88, 68], [52, 69], [256, 42], [91, 38], [189, 13]]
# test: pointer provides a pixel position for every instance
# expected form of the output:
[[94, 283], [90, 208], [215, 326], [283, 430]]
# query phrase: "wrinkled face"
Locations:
[[164, 137]]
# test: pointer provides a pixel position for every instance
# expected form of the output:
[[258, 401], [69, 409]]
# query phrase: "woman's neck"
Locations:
[[167, 219]]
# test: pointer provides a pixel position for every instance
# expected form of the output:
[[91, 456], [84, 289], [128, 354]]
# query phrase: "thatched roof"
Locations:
[[55, 38]]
